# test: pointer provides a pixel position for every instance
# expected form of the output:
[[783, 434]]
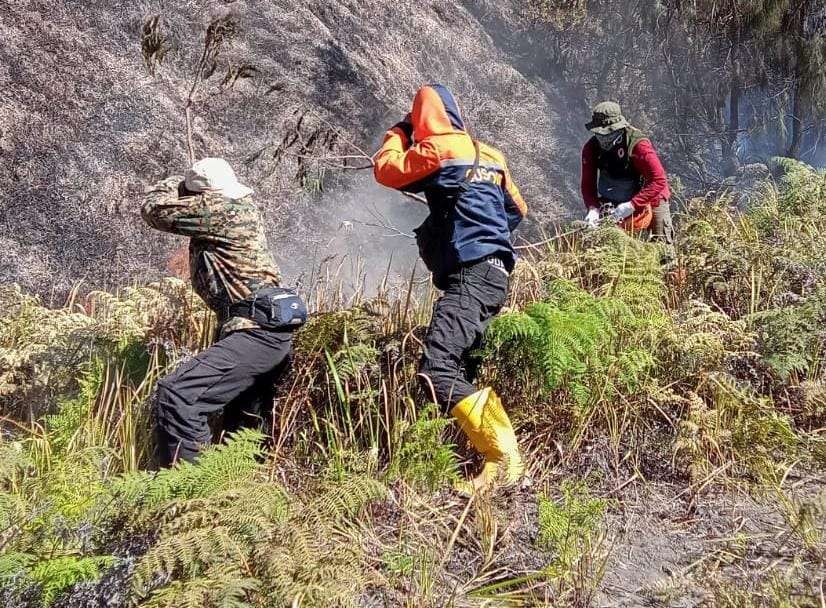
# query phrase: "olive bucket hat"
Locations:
[[607, 118]]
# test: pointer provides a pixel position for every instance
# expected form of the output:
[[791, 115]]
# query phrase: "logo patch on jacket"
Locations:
[[485, 175]]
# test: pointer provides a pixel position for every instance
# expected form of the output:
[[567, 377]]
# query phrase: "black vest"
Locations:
[[619, 181]]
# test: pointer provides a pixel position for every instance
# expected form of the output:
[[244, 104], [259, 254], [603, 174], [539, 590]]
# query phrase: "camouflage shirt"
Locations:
[[228, 254]]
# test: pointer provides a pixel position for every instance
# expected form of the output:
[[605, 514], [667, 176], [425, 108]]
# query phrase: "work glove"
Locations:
[[592, 217], [406, 127], [622, 211]]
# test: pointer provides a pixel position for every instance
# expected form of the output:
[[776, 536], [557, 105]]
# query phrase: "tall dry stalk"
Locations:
[[155, 46]]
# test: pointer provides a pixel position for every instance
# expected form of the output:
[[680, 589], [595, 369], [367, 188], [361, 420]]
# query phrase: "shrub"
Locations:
[[571, 528]]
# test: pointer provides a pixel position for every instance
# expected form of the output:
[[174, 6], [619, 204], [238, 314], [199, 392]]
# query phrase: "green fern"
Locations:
[[334, 331], [704, 340], [567, 527], [228, 548], [728, 424], [575, 341], [351, 361], [220, 586], [42, 350], [54, 576], [15, 565], [63, 426], [421, 457], [343, 500], [791, 339], [621, 266], [217, 468]]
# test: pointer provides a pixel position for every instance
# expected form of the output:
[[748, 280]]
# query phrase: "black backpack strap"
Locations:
[[465, 186]]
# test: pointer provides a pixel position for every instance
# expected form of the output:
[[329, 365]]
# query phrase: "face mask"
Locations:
[[606, 142]]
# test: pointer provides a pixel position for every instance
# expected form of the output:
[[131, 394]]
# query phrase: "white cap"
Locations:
[[215, 175]]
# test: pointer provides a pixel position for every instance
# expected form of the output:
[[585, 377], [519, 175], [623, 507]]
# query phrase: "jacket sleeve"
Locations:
[[164, 210], [515, 205], [588, 178], [402, 166], [647, 162]]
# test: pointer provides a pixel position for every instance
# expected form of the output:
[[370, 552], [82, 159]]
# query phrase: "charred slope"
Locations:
[[84, 126]]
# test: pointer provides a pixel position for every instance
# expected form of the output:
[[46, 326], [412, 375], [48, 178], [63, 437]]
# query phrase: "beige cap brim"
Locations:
[[236, 191], [199, 184], [606, 130]]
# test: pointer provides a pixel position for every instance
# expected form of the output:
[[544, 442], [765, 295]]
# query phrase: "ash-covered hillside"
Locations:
[[85, 126], [92, 99]]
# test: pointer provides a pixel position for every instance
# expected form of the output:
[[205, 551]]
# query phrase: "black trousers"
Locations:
[[235, 375], [473, 295]]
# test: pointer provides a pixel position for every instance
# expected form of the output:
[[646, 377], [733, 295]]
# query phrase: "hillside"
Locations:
[[84, 127], [673, 426], [91, 112], [672, 416]]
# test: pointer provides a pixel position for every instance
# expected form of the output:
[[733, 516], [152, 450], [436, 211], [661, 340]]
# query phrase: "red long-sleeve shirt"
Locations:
[[644, 160]]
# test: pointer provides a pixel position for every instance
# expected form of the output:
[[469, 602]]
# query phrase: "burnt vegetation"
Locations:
[[672, 420], [673, 417]]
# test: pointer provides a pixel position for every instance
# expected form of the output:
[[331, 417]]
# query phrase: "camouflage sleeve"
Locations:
[[164, 210]]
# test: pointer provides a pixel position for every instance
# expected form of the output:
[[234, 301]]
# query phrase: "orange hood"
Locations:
[[435, 112]]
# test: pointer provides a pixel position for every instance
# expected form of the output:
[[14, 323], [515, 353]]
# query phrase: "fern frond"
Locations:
[[345, 499], [59, 574], [14, 564], [219, 586], [183, 553], [217, 468]]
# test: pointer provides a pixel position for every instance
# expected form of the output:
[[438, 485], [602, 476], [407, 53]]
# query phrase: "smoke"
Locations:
[[363, 238], [759, 146]]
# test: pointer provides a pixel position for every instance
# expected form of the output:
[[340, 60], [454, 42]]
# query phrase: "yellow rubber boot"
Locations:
[[485, 422]]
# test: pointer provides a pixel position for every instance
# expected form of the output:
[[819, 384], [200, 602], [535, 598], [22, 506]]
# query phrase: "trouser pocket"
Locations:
[[663, 228]]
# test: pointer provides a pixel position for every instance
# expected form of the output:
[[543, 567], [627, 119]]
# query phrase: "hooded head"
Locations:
[[435, 112], [215, 175]]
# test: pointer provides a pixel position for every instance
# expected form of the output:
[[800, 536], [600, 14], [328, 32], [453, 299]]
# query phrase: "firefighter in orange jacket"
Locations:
[[466, 243]]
